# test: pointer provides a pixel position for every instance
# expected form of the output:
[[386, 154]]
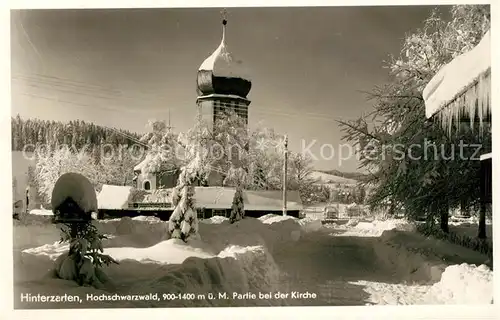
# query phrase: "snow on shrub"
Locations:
[[73, 202], [76, 187], [463, 284]]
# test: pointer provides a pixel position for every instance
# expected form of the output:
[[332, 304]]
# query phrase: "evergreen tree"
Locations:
[[237, 207], [421, 184], [183, 222]]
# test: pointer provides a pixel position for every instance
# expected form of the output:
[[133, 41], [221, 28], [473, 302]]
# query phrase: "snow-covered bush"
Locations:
[[85, 258], [74, 201], [237, 208]]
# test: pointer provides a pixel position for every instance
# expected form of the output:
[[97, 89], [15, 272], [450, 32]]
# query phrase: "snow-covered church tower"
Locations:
[[222, 83]]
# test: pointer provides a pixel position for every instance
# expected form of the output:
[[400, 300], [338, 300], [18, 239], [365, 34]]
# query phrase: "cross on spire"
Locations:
[[223, 13], [169, 127]]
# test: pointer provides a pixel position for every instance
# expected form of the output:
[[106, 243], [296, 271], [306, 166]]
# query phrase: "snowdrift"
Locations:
[[419, 258], [357, 228], [432, 270], [41, 212], [463, 284], [230, 258]]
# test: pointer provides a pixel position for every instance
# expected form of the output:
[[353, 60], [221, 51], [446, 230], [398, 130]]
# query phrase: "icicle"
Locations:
[[474, 101]]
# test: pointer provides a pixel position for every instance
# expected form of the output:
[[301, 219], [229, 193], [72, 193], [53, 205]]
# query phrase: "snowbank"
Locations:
[[309, 224], [459, 284], [52, 251], [147, 219], [463, 284], [375, 228], [41, 212], [172, 251], [274, 218], [135, 232], [215, 220], [232, 258]]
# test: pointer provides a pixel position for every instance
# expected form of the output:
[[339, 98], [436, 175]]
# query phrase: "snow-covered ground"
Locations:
[[41, 212], [379, 262]]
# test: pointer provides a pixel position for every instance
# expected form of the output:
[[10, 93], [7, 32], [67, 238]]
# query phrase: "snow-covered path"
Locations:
[[326, 265]]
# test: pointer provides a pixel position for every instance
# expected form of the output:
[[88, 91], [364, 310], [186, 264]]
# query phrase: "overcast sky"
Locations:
[[120, 68]]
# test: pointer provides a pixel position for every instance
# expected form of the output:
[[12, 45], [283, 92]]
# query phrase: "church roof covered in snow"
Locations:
[[150, 161], [221, 73]]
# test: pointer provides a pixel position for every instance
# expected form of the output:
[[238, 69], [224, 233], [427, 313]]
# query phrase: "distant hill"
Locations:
[[348, 175], [331, 179]]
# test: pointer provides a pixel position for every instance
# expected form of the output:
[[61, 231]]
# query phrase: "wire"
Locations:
[[118, 93], [58, 81], [36, 84]]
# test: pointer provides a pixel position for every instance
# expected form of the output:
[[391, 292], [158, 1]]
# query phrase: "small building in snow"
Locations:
[[119, 201], [165, 177]]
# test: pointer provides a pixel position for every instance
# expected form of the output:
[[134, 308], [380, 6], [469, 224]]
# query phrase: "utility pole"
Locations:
[[285, 164]]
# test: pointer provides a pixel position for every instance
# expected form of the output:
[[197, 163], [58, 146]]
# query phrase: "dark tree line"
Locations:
[[77, 133]]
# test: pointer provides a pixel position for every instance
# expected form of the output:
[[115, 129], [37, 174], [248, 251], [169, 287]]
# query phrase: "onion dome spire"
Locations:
[[221, 73]]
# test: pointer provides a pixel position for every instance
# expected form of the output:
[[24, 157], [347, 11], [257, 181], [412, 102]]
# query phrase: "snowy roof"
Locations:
[[214, 197], [272, 200], [113, 197], [222, 63], [140, 167], [466, 75]]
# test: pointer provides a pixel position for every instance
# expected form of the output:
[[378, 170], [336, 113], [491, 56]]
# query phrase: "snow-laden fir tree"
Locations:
[[183, 222], [237, 208]]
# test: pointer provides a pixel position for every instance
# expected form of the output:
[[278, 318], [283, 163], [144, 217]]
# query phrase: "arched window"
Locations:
[[147, 185]]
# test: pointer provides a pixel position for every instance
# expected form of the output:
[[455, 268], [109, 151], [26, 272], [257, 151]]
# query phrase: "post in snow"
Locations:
[[285, 163]]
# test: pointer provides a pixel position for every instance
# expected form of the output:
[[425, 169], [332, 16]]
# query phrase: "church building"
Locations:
[[222, 84]]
